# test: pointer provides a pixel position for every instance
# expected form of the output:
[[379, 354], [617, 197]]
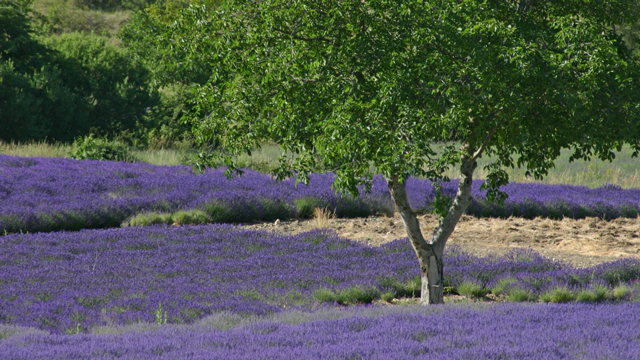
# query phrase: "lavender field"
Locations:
[[221, 291], [507, 331], [50, 194], [66, 281]]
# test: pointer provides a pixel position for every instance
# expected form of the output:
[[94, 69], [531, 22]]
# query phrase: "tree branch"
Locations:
[[486, 141], [523, 5], [303, 79]]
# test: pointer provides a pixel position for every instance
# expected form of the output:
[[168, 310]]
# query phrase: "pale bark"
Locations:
[[430, 261], [430, 254]]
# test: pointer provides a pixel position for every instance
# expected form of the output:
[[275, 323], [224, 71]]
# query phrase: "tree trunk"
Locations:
[[430, 254]]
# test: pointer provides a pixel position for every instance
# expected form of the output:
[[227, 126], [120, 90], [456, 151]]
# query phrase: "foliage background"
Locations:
[[70, 68]]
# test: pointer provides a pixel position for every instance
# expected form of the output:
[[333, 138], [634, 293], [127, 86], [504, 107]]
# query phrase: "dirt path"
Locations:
[[583, 242]]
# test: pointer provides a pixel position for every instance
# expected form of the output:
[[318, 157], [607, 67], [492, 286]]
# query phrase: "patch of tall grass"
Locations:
[[36, 149], [622, 171], [168, 157], [67, 16]]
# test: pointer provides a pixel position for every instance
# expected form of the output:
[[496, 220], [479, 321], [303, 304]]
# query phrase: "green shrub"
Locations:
[[502, 286], [409, 289], [352, 295], [388, 296], [599, 293], [92, 148], [472, 289], [325, 295], [413, 287], [306, 205], [586, 296], [357, 295], [520, 295], [350, 207], [219, 213], [273, 210], [147, 219], [621, 292], [558, 295], [193, 217]]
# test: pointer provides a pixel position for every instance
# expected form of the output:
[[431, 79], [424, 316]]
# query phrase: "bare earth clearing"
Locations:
[[583, 242]]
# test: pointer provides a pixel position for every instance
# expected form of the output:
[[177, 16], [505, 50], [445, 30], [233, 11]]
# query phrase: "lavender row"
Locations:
[[505, 331], [556, 201], [48, 194], [55, 281]]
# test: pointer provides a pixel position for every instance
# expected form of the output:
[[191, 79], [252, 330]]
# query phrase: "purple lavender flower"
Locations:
[[54, 281], [508, 331], [49, 194]]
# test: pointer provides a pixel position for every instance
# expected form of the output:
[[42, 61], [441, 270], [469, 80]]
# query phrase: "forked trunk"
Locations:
[[430, 254]]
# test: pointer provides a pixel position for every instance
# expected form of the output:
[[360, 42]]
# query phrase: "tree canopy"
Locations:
[[352, 83]]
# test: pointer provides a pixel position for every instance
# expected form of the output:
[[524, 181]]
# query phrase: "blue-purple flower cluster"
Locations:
[[507, 331], [56, 281], [49, 194], [531, 200]]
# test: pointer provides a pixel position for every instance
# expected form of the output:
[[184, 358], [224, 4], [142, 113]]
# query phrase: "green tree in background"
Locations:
[[16, 37], [116, 85], [159, 40], [34, 99], [160, 37], [58, 88], [352, 83]]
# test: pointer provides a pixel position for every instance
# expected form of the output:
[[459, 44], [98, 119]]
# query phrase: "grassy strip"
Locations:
[[475, 292]]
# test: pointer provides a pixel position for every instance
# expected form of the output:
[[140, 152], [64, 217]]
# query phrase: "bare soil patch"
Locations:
[[583, 242]]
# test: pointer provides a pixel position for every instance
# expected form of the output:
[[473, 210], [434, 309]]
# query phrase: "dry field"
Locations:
[[583, 242]]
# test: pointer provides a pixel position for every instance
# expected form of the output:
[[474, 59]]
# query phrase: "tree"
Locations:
[[35, 101], [59, 87], [116, 86], [350, 83], [158, 37]]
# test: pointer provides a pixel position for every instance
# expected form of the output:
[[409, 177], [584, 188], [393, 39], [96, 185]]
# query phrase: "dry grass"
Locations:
[[590, 177], [322, 218], [67, 17], [35, 149], [163, 157]]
